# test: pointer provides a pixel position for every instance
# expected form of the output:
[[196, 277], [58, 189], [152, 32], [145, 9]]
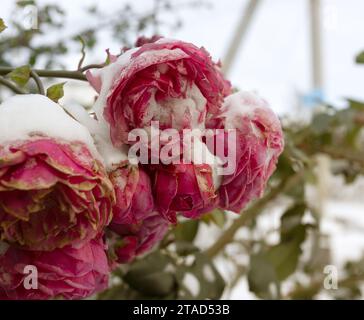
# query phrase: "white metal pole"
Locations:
[[239, 34]]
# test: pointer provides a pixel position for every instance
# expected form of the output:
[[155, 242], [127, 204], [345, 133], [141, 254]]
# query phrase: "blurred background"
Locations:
[[305, 237]]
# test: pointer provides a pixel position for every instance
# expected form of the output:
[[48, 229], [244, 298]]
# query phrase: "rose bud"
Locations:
[[72, 272], [54, 190], [136, 227], [126, 241], [259, 142], [134, 198], [170, 81]]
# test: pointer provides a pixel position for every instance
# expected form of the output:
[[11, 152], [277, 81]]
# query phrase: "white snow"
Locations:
[[174, 109], [197, 152], [111, 155], [23, 115], [108, 75], [241, 103], [116, 70]]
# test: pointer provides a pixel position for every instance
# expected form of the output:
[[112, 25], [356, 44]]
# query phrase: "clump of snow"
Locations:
[[23, 115], [241, 103], [175, 110], [111, 155], [108, 75], [116, 70], [197, 152]]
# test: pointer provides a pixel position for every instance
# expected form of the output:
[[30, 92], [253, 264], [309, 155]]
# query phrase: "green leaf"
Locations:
[[20, 75], [186, 231], [284, 257], [356, 105], [216, 216], [291, 220], [150, 276], [261, 275], [2, 25], [24, 3], [360, 58], [184, 248], [56, 92]]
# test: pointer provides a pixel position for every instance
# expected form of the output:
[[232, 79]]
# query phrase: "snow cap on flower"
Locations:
[[134, 198], [54, 190]]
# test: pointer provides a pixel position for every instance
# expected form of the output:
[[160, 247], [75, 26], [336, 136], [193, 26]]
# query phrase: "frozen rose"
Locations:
[[259, 142], [73, 272], [173, 82], [136, 227], [54, 190], [134, 198], [130, 240]]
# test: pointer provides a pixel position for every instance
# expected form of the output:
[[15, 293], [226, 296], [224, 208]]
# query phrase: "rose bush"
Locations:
[[69, 194]]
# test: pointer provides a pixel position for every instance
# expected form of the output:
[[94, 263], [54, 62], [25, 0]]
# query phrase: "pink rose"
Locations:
[[73, 272], [131, 240], [53, 192], [173, 82], [136, 227], [259, 142], [184, 188], [134, 198]]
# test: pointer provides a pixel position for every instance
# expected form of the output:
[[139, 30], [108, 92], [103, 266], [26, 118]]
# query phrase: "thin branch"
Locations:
[[77, 75], [11, 86], [83, 53], [92, 66], [38, 82], [250, 214], [336, 153]]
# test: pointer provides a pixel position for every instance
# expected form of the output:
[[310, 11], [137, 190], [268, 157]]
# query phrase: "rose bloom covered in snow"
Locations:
[[259, 142], [54, 190], [135, 227], [170, 81], [189, 187], [73, 272]]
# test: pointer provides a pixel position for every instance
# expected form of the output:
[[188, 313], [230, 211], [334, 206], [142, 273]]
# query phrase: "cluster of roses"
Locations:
[[74, 206]]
